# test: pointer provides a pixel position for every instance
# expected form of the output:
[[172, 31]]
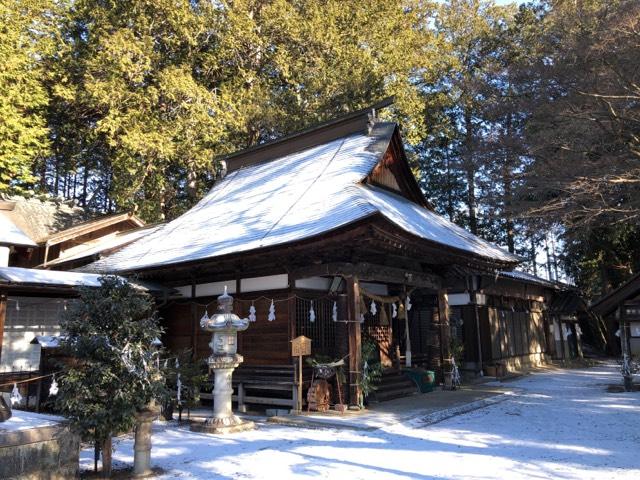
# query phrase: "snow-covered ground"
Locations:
[[560, 425], [21, 420]]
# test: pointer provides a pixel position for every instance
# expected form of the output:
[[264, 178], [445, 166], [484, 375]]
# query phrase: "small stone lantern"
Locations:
[[225, 326]]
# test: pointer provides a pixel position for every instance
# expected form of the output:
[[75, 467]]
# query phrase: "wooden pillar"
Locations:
[[476, 315], [194, 322], [292, 331], [3, 315], [445, 331], [355, 340]]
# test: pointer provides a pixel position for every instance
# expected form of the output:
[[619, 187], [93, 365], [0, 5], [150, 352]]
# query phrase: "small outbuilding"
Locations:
[[620, 311]]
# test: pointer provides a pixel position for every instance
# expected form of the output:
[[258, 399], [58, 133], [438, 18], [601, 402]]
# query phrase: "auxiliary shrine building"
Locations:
[[325, 233]]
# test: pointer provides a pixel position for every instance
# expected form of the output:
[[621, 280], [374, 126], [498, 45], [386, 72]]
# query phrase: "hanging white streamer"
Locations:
[[408, 303], [252, 313], [312, 313], [374, 309], [361, 318], [272, 312], [53, 389], [15, 398], [394, 310], [205, 319], [334, 313]]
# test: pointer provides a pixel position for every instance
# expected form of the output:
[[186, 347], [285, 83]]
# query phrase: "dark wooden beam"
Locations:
[[355, 340], [445, 332], [371, 272], [3, 315]]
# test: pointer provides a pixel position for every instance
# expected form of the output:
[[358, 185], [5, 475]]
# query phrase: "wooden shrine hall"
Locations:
[[323, 233]]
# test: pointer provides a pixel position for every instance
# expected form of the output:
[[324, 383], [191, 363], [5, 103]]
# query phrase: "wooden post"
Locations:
[[445, 332], [241, 405], [299, 406], [476, 314], [194, 322], [407, 330], [355, 340], [3, 315]]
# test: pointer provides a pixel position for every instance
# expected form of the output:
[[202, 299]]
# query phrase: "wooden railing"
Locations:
[[273, 385]]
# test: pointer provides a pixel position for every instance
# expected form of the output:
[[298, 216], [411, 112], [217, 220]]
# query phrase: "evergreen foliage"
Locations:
[[25, 36], [192, 373], [521, 121], [109, 333]]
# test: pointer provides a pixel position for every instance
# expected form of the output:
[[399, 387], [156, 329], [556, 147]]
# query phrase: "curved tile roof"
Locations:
[[294, 197]]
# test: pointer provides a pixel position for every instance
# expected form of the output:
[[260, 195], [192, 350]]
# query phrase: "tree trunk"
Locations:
[[450, 205], [85, 182], [507, 180], [192, 186], [107, 453], [96, 455], [534, 263], [471, 171]]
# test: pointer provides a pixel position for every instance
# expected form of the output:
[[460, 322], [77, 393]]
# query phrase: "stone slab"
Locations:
[[42, 453], [203, 427]]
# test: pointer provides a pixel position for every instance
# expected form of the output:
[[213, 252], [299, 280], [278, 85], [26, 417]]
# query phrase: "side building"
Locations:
[[512, 320], [35, 233], [620, 311]]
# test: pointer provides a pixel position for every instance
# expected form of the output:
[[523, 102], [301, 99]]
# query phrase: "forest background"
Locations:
[[522, 121]]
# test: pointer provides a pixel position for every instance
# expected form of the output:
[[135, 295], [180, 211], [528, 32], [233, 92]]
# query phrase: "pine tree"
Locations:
[[109, 332], [147, 94], [26, 29]]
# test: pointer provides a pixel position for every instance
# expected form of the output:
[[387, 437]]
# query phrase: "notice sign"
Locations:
[[300, 346]]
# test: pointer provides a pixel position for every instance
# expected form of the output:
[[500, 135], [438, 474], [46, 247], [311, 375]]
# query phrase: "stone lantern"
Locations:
[[225, 326]]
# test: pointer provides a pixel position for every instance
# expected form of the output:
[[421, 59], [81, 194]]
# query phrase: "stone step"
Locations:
[[393, 385], [393, 394], [402, 382]]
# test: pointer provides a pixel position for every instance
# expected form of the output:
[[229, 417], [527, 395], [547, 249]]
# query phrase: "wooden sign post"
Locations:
[[300, 346]]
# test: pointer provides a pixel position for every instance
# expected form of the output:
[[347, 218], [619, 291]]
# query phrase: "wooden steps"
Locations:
[[393, 385]]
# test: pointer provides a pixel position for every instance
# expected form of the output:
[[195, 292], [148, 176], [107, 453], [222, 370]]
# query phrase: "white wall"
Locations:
[[26, 318]]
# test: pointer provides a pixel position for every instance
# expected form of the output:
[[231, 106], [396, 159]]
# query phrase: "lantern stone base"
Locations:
[[231, 424], [223, 420]]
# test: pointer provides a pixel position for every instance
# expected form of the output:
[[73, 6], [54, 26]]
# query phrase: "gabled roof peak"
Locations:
[[360, 121]]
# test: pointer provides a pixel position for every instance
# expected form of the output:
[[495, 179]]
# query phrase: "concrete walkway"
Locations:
[[428, 407]]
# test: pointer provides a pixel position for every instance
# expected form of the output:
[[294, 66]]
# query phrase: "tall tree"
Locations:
[[151, 93], [26, 35], [585, 135], [469, 32]]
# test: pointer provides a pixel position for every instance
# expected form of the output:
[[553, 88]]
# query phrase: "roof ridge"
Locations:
[[353, 122]]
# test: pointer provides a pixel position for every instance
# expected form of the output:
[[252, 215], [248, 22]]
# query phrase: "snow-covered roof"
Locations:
[[104, 244], [39, 218], [11, 234], [55, 278], [290, 198], [48, 277], [530, 278], [47, 341]]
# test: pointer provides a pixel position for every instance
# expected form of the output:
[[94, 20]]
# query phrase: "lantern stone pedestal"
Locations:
[[223, 419], [142, 445], [225, 326]]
